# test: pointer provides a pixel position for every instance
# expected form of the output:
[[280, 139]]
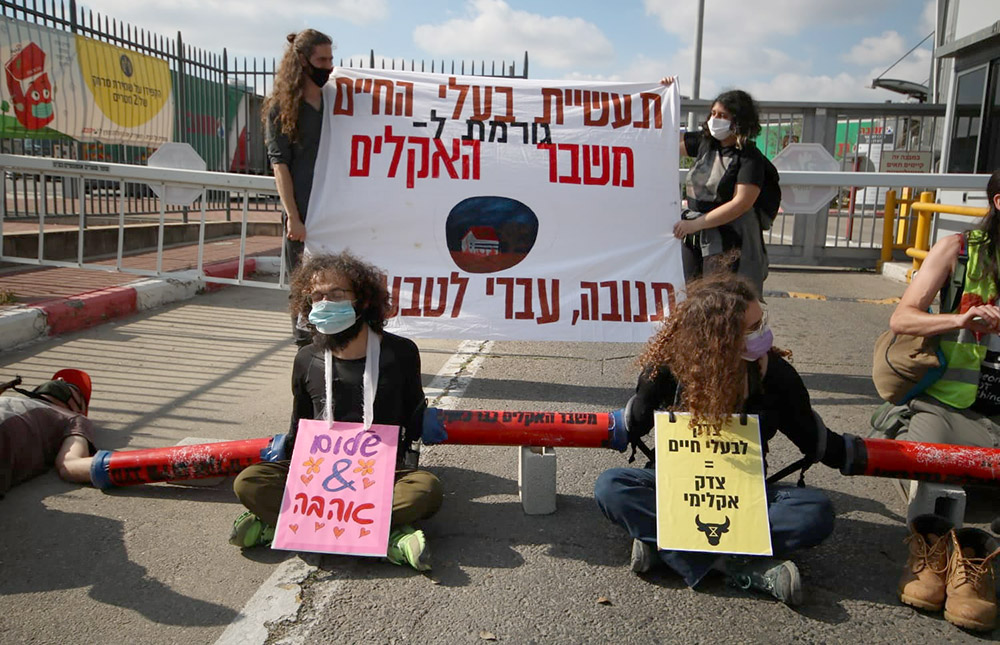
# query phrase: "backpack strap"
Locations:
[[638, 443], [802, 464]]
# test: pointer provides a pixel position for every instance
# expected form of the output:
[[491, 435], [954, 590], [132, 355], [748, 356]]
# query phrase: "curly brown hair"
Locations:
[[701, 343], [289, 78], [367, 282]]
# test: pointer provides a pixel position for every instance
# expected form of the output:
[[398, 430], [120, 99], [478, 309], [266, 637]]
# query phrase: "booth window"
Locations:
[[989, 152], [967, 120]]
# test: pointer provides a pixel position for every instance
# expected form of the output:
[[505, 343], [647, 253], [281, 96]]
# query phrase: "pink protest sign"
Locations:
[[338, 496]]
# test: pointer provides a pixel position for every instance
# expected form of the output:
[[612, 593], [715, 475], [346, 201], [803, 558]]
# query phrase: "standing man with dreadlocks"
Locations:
[[293, 118]]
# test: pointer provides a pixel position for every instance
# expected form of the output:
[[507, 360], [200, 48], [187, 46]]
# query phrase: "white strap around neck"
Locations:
[[373, 351]]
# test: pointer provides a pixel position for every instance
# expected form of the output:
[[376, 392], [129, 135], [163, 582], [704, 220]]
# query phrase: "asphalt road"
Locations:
[[151, 564]]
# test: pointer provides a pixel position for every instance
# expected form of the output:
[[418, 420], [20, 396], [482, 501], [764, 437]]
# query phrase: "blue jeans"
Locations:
[[799, 517]]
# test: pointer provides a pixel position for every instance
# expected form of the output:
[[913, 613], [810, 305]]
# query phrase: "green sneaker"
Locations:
[[407, 545], [778, 578], [249, 531]]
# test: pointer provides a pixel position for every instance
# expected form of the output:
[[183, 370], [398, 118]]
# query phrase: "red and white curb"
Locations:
[[24, 324]]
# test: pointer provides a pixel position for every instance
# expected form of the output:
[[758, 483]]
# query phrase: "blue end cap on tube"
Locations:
[[99, 475], [276, 450], [433, 430]]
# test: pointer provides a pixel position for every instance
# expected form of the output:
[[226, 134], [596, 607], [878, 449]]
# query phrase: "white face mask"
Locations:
[[720, 128]]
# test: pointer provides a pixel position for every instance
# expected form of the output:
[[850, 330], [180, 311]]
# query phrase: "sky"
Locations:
[[778, 50]]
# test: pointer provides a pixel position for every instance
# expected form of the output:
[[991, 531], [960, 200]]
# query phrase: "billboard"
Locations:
[[58, 85]]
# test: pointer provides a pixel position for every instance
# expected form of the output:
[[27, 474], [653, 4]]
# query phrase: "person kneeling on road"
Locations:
[[49, 428], [949, 567], [712, 357], [346, 303]]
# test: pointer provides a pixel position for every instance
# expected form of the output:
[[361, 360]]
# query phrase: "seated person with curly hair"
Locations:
[[713, 357], [346, 303]]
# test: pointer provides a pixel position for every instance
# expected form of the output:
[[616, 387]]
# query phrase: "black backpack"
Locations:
[[770, 195]]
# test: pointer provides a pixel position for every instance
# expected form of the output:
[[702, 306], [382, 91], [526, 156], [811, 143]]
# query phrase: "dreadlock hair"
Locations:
[[282, 104]]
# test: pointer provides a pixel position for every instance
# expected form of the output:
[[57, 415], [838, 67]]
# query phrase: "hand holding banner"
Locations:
[[710, 493], [338, 496], [504, 208]]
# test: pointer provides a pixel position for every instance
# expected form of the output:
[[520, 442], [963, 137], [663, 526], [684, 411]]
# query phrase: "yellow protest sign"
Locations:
[[710, 493]]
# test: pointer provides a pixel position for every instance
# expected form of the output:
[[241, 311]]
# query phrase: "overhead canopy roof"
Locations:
[[916, 90], [982, 39]]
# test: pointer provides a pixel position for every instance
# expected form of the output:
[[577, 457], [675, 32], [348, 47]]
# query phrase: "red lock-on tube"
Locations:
[[131, 467]]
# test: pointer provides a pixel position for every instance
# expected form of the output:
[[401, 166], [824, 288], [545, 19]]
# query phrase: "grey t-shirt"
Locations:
[[31, 433], [300, 155]]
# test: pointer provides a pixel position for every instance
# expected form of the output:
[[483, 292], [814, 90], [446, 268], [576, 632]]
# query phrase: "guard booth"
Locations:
[[967, 74]]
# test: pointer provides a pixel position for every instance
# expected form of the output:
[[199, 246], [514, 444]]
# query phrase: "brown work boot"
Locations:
[[971, 589], [926, 570]]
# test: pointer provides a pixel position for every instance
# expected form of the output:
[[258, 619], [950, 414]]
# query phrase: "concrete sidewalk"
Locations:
[[41, 302]]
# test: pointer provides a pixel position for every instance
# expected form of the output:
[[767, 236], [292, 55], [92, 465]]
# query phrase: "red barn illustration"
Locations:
[[29, 87], [482, 240]]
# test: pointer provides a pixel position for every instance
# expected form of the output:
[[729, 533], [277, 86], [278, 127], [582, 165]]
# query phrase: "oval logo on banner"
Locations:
[[488, 234], [129, 88]]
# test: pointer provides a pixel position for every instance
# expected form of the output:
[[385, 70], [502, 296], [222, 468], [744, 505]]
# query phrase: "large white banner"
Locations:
[[504, 208], [59, 84]]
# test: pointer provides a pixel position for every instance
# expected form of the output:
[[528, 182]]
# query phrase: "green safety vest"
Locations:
[[963, 353]]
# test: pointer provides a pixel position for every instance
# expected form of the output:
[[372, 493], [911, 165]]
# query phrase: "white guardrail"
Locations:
[[246, 185], [80, 171]]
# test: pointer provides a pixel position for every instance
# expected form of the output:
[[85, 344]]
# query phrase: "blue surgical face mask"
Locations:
[[331, 317]]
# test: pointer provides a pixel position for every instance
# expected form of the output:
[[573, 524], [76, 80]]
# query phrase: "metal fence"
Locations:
[[217, 99], [71, 246]]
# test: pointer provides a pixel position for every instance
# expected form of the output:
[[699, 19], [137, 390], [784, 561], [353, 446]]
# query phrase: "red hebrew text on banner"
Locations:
[[504, 208]]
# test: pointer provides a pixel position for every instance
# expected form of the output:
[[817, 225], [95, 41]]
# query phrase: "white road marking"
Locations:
[[279, 598], [455, 375]]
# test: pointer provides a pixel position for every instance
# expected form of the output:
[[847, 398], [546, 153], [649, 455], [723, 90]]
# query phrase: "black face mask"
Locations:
[[319, 75]]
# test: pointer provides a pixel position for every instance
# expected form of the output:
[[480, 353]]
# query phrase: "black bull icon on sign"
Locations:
[[712, 531]]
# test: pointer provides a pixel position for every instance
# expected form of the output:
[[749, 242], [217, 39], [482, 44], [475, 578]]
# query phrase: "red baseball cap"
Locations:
[[80, 379]]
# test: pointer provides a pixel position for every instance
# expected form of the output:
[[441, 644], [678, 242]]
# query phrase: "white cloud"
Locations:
[[928, 18], [916, 67], [818, 88], [743, 48], [252, 27], [492, 28], [875, 50], [757, 21], [219, 12]]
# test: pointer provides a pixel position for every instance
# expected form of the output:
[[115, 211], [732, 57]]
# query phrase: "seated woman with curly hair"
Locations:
[[713, 357]]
